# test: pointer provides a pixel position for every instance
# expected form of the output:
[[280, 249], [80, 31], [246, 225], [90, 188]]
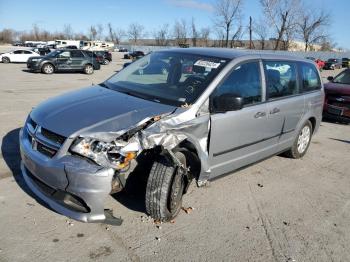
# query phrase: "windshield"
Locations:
[[168, 77], [343, 78]]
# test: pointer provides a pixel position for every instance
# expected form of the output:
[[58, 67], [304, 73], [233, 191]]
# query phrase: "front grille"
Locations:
[[58, 139], [47, 151]]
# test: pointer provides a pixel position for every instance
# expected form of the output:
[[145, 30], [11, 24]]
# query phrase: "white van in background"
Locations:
[[64, 43]]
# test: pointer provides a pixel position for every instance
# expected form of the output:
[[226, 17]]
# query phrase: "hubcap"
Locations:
[[48, 69], [89, 69], [304, 139]]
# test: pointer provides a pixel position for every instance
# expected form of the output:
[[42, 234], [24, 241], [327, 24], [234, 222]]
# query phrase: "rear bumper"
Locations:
[[69, 185]]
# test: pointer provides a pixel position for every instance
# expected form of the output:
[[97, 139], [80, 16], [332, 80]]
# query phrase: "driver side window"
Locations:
[[65, 54], [243, 81]]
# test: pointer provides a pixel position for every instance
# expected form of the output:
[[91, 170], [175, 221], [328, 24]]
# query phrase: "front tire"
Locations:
[[88, 69], [6, 60], [47, 69], [105, 61], [302, 142], [165, 188]]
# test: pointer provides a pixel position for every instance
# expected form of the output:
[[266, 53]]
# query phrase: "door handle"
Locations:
[[275, 111], [260, 114]]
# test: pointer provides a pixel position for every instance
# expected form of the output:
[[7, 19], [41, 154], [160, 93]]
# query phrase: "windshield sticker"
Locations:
[[208, 64]]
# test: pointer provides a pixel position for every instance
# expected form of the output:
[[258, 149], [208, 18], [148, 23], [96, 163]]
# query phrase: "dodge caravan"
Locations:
[[168, 118]]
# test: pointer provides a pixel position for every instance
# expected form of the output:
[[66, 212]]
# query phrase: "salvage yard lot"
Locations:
[[277, 210]]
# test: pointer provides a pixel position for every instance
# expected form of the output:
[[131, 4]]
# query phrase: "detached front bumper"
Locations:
[[70, 185]]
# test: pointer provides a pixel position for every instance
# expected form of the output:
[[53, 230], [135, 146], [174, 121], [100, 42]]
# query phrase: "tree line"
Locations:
[[280, 23]]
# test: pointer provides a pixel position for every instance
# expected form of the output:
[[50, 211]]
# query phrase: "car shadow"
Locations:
[[12, 157], [133, 194], [341, 140]]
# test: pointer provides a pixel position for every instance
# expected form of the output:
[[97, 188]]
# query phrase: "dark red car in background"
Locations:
[[337, 99]]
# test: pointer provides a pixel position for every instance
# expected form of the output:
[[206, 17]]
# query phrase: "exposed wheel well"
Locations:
[[313, 123], [192, 158]]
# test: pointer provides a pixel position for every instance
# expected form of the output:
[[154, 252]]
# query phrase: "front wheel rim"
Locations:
[[48, 69], [303, 139], [176, 191]]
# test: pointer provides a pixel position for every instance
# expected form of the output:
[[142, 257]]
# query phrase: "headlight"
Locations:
[[107, 154]]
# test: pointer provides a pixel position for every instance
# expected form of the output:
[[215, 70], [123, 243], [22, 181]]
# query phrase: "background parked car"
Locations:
[[17, 43], [337, 100], [104, 57], [69, 47], [65, 60], [42, 51], [133, 55], [333, 63], [18, 56], [345, 62]]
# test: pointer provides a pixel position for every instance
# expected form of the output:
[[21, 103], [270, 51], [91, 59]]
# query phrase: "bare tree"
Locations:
[[162, 35], [194, 33], [92, 32], [204, 34], [227, 12], [180, 32], [238, 33], [68, 31], [135, 32], [311, 27], [111, 32], [99, 29], [7, 36], [261, 31], [283, 16], [36, 32], [119, 34]]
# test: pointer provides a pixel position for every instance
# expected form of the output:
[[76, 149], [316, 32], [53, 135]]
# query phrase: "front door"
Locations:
[[64, 61], [241, 137]]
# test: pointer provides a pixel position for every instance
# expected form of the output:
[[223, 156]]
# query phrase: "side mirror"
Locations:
[[227, 102], [330, 78]]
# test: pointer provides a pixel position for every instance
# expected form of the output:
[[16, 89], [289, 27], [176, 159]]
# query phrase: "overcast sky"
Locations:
[[52, 15]]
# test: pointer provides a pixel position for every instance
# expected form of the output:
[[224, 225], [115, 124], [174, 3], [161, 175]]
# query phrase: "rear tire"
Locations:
[[6, 60], [105, 61], [88, 69], [165, 188], [47, 69], [302, 142]]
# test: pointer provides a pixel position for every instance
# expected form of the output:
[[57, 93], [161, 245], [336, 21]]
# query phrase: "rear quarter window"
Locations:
[[309, 77]]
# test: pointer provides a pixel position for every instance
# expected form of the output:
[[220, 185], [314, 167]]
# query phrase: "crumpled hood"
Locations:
[[95, 109]]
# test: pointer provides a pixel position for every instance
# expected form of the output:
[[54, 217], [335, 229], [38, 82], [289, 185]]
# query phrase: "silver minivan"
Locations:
[[166, 119]]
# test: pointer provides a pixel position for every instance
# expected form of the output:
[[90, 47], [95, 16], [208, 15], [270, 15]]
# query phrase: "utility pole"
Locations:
[[250, 33]]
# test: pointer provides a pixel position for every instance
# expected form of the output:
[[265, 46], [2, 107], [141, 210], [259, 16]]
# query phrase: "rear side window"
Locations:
[[18, 52], [77, 54], [244, 81], [310, 79], [281, 79]]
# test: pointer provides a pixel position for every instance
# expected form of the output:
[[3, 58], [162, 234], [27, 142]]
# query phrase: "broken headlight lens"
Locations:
[[107, 154]]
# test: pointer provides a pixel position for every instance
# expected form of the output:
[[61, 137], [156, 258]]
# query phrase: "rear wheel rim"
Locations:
[[89, 69], [303, 139]]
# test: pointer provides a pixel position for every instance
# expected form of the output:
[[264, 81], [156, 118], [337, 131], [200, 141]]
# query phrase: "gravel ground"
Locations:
[[277, 210]]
